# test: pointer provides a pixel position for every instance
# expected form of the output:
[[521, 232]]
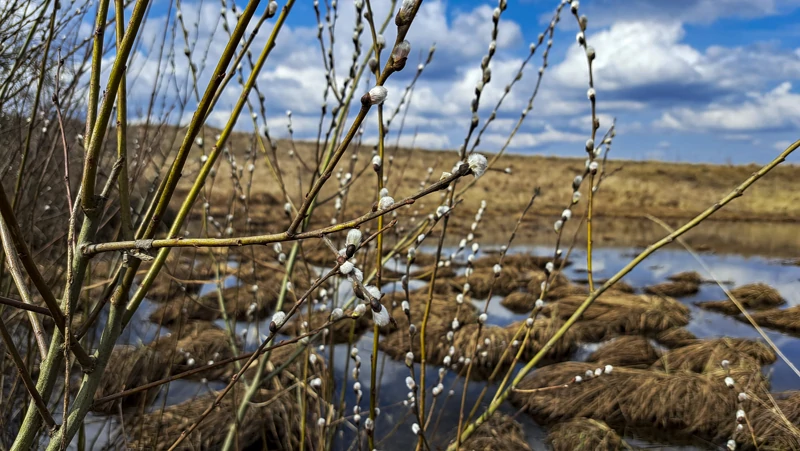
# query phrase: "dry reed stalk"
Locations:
[[585, 434], [629, 351]]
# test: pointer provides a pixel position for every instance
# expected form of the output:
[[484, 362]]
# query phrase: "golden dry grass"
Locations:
[[630, 195], [681, 404], [707, 355], [632, 351], [499, 433], [754, 296], [615, 313], [585, 434]]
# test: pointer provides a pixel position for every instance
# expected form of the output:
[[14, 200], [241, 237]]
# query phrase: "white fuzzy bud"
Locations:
[[381, 317], [353, 237], [415, 429], [497, 268], [385, 202], [478, 164], [346, 268], [608, 369], [360, 310], [410, 383], [729, 382], [482, 318], [377, 95], [336, 314]]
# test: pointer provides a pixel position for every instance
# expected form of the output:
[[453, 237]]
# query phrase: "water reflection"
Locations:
[[393, 394]]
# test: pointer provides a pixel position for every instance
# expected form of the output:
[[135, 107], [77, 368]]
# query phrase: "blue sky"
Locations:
[[687, 80]]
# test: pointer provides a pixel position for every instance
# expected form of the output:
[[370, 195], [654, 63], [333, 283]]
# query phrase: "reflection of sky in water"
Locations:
[[606, 262]]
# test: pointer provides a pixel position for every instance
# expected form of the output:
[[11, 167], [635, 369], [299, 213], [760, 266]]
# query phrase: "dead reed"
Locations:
[[681, 404], [677, 289], [585, 434], [756, 296], [615, 314], [705, 355], [629, 351], [784, 320], [500, 433]]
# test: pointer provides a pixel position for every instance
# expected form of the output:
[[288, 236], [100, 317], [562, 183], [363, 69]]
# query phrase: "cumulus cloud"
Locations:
[[774, 110]]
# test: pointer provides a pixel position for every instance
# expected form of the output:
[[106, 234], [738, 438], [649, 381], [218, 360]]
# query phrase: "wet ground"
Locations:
[[394, 418]]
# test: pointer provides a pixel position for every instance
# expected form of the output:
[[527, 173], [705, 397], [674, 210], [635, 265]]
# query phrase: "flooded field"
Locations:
[[395, 419]]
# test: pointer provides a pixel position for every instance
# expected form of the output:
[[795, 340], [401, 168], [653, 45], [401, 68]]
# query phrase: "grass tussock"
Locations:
[[484, 279], [631, 351], [519, 302], [784, 320], [771, 431], [134, 366], [499, 433], [613, 314], [687, 276], [521, 261], [272, 421], [674, 289], [678, 403], [707, 355], [675, 337], [755, 296], [585, 434], [340, 332]]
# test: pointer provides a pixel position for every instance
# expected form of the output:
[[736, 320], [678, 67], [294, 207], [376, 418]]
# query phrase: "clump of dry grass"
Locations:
[[488, 356], [675, 337], [520, 261], [272, 420], [499, 433], [444, 310], [772, 433], [519, 302], [678, 403], [340, 332], [556, 281], [615, 313], [630, 350], [585, 434], [675, 289], [707, 355], [541, 332], [687, 276], [198, 344], [480, 282], [785, 320], [756, 296]]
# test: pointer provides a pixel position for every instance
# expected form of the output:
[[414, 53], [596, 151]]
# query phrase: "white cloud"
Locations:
[[773, 110], [528, 140]]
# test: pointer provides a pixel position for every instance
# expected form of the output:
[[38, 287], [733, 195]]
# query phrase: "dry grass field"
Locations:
[[760, 222]]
